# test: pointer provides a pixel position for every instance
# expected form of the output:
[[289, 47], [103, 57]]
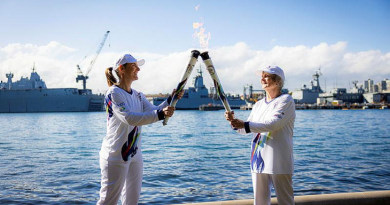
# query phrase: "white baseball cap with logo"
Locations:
[[272, 70], [127, 58]]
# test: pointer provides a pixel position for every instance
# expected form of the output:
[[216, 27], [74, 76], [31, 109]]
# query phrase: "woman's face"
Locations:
[[131, 71], [267, 81]]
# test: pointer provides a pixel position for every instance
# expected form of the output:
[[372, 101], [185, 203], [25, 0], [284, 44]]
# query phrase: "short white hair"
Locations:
[[279, 81]]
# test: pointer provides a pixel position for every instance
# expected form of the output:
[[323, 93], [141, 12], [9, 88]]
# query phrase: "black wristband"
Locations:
[[160, 115], [246, 125]]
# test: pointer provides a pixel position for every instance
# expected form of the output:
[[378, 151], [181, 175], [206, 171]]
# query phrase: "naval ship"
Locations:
[[309, 95], [198, 95], [32, 95]]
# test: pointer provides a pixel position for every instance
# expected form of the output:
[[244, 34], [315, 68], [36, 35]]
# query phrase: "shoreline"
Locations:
[[352, 198], [376, 106]]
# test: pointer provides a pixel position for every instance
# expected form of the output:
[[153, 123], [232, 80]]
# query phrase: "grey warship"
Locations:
[[310, 94], [32, 95], [199, 95], [29, 95]]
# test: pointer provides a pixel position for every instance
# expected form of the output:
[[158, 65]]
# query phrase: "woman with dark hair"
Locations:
[[271, 123], [127, 110]]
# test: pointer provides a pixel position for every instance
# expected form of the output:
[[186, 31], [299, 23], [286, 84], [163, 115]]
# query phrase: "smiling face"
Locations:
[[130, 71], [268, 81]]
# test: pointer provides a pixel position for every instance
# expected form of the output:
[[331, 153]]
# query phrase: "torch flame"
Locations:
[[202, 37], [200, 34], [196, 25]]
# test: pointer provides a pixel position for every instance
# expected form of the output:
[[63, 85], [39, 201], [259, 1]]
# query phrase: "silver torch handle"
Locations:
[[187, 72]]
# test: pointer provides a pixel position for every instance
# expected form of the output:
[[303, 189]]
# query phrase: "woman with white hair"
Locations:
[[127, 109], [271, 123]]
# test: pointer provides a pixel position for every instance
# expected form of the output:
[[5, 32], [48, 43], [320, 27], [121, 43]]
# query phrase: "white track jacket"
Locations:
[[126, 113], [272, 125]]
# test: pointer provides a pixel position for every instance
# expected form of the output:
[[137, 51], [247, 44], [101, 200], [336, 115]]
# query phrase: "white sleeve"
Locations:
[[242, 130], [148, 106], [122, 110], [280, 116]]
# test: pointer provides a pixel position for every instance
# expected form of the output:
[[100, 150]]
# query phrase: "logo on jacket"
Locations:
[[108, 105], [130, 147], [257, 162]]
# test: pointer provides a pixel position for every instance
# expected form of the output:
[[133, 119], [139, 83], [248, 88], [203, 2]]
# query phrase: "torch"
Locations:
[[217, 84], [183, 81]]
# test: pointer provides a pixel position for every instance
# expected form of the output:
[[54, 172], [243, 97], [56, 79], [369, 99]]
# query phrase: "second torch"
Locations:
[[217, 84]]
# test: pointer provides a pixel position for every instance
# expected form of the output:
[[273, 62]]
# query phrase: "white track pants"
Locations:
[[120, 179], [282, 184]]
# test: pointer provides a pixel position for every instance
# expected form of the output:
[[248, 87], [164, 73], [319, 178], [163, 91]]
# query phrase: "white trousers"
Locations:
[[120, 179], [282, 184]]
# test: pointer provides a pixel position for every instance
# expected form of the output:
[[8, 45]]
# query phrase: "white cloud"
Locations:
[[56, 64]]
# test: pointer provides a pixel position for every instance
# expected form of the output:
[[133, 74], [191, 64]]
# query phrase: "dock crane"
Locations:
[[80, 75]]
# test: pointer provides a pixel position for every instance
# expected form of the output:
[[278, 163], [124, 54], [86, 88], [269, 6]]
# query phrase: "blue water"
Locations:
[[52, 158]]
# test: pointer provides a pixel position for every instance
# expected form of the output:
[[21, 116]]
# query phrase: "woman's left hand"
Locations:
[[237, 123], [180, 95]]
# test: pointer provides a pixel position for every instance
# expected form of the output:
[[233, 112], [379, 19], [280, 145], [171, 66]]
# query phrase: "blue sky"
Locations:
[[159, 29], [166, 26]]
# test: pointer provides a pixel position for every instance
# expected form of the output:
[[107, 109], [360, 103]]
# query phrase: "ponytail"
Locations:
[[111, 80]]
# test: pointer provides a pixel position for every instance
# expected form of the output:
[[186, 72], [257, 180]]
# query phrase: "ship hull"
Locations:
[[49, 100], [305, 96]]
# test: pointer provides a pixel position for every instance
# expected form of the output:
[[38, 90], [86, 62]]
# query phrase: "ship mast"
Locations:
[[316, 77], [33, 68]]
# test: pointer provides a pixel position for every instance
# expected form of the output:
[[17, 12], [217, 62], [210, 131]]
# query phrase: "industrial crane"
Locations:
[[80, 75]]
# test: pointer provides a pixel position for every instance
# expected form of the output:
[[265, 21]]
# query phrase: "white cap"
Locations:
[[272, 70], [127, 58]]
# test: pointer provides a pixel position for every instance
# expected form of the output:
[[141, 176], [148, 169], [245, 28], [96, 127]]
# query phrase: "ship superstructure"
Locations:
[[310, 94], [198, 95]]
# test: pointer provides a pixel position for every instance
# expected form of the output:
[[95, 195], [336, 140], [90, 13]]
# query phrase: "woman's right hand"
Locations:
[[168, 111], [229, 115]]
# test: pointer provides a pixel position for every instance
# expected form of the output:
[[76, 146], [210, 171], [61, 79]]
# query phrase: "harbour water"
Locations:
[[52, 158]]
